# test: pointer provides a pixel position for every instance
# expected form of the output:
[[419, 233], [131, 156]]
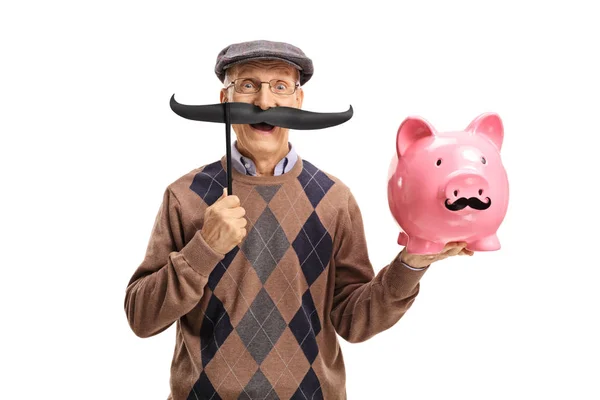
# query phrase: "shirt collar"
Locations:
[[246, 166]]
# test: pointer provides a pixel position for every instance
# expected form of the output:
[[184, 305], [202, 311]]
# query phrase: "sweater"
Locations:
[[262, 321]]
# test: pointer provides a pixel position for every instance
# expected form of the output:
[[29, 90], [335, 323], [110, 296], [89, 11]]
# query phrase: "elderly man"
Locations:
[[259, 283]]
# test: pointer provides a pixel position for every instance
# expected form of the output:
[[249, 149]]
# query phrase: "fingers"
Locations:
[[227, 202], [237, 212], [223, 195], [454, 251], [465, 252], [241, 222], [242, 234], [449, 250], [454, 248]]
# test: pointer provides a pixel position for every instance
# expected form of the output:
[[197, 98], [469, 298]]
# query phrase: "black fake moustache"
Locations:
[[245, 113]]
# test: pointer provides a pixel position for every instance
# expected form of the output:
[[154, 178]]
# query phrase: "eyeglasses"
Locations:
[[252, 85]]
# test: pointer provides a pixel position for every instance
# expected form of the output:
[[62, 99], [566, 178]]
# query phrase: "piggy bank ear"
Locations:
[[490, 126], [411, 130]]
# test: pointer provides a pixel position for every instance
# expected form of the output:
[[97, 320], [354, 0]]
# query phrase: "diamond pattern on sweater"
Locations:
[[291, 207], [221, 374], [203, 389], [305, 326], [286, 385], [310, 310], [231, 351], [218, 272], [265, 244], [284, 291], [273, 366], [239, 286], [313, 245], [254, 205], [261, 327], [314, 182], [232, 375], [209, 182], [259, 387], [215, 329], [310, 388], [267, 192]]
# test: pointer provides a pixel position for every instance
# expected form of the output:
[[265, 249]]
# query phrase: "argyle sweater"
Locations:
[[260, 322]]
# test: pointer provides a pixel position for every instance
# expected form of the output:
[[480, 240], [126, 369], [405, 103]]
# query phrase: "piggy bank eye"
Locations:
[[439, 161], [483, 161]]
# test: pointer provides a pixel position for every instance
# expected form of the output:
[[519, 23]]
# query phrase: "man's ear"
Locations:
[[299, 97], [223, 95]]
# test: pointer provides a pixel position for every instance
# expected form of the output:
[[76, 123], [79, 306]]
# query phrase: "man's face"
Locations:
[[259, 142]]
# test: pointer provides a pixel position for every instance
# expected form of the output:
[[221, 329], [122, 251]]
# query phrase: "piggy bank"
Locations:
[[448, 186]]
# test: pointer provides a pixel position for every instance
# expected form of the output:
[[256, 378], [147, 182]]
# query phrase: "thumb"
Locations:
[[224, 193]]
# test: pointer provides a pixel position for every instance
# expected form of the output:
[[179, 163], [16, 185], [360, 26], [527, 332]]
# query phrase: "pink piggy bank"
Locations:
[[448, 186]]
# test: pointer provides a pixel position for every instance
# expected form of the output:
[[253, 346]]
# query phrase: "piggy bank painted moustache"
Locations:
[[448, 186]]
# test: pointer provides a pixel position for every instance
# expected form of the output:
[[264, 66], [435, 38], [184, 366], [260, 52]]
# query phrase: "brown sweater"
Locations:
[[260, 322]]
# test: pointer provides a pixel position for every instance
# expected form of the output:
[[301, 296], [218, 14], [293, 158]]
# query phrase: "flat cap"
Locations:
[[264, 49]]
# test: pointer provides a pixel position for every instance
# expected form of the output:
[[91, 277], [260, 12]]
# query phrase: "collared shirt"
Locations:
[[246, 166]]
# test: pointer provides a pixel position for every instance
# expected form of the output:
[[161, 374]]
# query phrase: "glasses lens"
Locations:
[[247, 85], [280, 86]]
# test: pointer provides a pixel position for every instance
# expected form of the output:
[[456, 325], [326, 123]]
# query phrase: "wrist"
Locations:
[[413, 260], [209, 242]]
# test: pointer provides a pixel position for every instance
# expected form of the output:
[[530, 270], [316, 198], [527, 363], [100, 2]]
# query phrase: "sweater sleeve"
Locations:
[[365, 304], [171, 279]]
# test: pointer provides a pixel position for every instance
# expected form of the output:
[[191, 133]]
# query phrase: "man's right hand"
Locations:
[[224, 223]]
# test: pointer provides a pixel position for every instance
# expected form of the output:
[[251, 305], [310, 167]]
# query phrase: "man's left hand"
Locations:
[[423, 260]]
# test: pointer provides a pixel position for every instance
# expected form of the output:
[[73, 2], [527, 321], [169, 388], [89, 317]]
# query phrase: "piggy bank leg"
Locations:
[[488, 243], [402, 239], [421, 246]]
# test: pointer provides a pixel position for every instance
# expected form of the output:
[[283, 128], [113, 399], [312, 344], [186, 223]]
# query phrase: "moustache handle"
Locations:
[[227, 112]]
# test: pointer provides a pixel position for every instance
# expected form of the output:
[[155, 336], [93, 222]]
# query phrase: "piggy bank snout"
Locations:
[[466, 185]]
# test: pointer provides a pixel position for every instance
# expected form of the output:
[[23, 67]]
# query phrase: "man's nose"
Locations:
[[265, 99]]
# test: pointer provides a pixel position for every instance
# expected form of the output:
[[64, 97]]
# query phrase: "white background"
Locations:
[[89, 144]]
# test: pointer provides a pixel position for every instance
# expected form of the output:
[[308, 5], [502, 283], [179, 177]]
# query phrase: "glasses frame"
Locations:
[[296, 86]]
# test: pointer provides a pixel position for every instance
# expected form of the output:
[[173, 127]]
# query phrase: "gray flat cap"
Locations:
[[264, 49]]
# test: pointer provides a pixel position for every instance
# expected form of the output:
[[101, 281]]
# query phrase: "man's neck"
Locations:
[[265, 166]]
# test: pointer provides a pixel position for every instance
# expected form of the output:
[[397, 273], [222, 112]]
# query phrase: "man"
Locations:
[[260, 283]]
